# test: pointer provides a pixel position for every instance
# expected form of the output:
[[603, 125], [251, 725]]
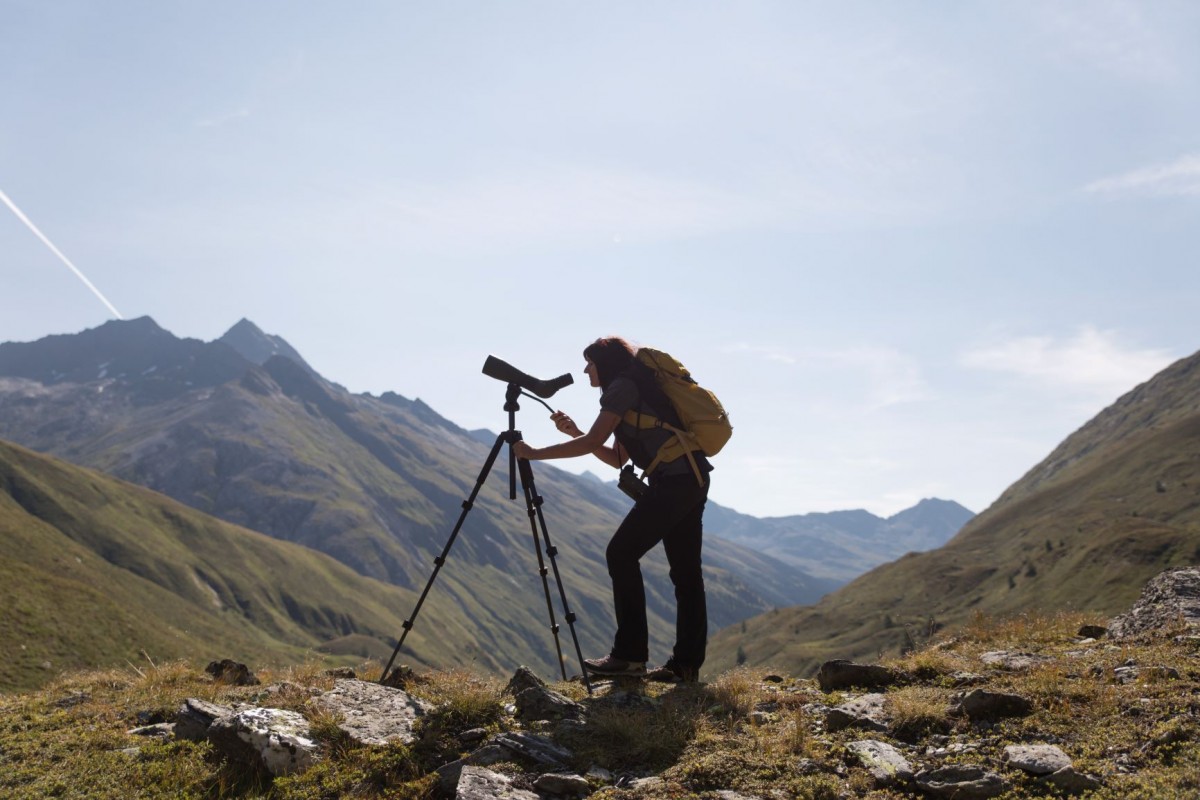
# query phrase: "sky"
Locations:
[[911, 246]]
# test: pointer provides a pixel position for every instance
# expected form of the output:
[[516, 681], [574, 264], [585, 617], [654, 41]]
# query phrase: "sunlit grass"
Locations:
[[1136, 732]]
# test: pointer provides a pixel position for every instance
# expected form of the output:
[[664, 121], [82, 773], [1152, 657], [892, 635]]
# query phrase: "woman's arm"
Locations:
[[614, 456], [590, 442]]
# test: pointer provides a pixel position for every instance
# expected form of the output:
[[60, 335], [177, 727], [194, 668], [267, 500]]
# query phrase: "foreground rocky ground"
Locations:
[[1020, 708]]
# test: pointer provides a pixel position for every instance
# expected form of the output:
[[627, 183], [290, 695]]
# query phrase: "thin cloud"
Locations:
[[1178, 178], [887, 377], [1091, 361]]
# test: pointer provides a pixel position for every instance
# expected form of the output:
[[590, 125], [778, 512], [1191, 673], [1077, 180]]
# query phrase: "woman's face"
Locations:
[[590, 371]]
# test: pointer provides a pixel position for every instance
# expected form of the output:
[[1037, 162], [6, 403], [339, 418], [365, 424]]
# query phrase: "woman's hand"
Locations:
[[566, 424], [523, 450]]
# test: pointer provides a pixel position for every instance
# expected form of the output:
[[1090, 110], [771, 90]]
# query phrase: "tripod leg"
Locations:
[[441, 559], [533, 503]]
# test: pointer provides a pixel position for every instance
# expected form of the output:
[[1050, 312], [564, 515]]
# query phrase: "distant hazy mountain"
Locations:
[[375, 482], [1116, 503], [842, 545], [835, 547]]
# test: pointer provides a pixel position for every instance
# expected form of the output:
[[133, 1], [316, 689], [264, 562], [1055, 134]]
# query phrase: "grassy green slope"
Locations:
[[95, 571], [1115, 504]]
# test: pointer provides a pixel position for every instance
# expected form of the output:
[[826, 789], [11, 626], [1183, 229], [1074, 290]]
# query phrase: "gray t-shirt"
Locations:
[[642, 443]]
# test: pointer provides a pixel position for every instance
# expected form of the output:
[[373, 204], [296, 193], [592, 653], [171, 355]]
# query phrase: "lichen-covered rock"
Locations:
[[478, 783], [274, 739], [867, 712], [1168, 601], [372, 713], [885, 763]]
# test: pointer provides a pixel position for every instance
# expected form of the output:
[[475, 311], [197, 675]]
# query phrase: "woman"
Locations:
[[669, 511]]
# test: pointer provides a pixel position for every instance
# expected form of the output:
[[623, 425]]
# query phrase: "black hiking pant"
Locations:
[[670, 512]]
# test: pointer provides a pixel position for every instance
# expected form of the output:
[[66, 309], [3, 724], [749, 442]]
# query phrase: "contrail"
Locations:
[[21, 216]]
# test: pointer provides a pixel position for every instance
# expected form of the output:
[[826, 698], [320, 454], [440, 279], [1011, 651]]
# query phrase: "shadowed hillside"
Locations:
[[1114, 504], [97, 572]]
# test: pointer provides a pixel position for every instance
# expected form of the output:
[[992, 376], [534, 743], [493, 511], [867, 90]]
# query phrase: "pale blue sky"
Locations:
[[912, 245]]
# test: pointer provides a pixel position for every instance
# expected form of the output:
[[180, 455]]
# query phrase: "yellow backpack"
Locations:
[[706, 426]]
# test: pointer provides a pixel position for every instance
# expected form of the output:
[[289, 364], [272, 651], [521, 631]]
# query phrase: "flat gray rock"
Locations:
[[885, 763], [1036, 759], [1068, 780], [962, 782], [1013, 662], [562, 784], [867, 712], [980, 704], [372, 713], [536, 748], [478, 783]]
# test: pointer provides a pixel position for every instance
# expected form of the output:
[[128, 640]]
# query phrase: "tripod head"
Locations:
[[503, 371]]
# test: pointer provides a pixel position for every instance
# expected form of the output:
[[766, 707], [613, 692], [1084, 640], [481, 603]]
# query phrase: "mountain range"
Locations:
[[242, 429]]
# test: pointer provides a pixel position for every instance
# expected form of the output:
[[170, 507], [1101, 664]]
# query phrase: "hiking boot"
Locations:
[[615, 666], [672, 672]]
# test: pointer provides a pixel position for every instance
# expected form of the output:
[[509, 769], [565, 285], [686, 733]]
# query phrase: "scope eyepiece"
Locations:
[[503, 371]]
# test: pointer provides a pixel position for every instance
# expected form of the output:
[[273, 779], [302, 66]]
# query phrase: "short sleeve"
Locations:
[[620, 396]]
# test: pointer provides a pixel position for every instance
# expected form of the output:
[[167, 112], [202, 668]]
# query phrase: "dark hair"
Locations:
[[612, 355]]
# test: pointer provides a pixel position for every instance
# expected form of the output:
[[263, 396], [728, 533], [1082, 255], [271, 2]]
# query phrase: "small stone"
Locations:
[[646, 784], [1014, 662], [159, 730], [862, 712], [473, 735], [1068, 780], [599, 774], [979, 704], [842, 674], [562, 784], [1036, 759], [231, 672]]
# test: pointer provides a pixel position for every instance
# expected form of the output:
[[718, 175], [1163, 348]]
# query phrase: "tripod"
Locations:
[[537, 524]]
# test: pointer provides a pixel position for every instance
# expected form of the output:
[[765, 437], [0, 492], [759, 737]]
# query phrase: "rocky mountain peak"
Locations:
[[249, 341], [118, 349]]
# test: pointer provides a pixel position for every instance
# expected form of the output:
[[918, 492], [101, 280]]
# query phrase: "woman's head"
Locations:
[[610, 355]]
